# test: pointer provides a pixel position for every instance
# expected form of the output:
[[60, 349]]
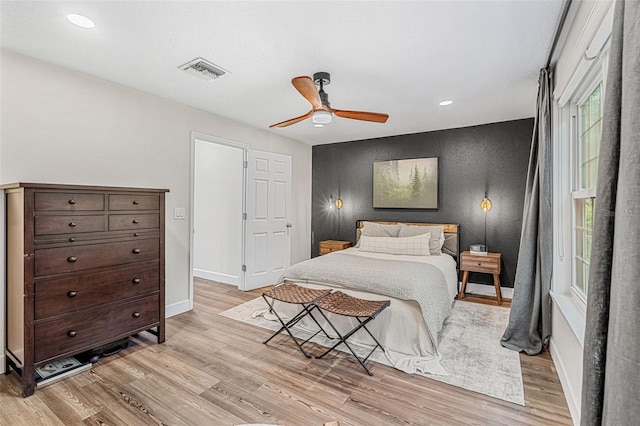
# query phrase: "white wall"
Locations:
[[582, 31], [218, 189], [62, 126]]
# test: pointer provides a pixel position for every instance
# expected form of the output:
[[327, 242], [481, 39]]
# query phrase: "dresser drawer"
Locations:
[[118, 222], [480, 264], [134, 202], [92, 327], [68, 201], [58, 296], [82, 257], [49, 225], [59, 240]]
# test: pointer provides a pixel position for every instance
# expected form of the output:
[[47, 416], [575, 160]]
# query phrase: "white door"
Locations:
[[268, 213]]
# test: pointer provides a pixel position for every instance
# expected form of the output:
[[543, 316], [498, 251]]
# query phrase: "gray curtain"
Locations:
[[611, 362], [530, 317]]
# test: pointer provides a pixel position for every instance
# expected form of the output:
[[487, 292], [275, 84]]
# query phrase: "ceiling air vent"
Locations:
[[203, 69]]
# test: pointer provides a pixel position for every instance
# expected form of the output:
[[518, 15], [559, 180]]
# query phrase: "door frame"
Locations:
[[197, 136]]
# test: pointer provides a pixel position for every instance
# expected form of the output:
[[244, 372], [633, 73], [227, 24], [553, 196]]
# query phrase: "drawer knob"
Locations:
[[72, 259], [72, 201], [479, 264], [136, 314], [136, 280], [72, 224], [136, 220], [71, 333], [72, 239], [135, 251], [136, 202], [72, 294], [136, 234]]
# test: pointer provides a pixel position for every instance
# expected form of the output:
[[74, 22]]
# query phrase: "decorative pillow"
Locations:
[[435, 246], [450, 245], [414, 246], [371, 229]]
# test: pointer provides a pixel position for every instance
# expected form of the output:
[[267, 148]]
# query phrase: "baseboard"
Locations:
[[564, 381], [216, 276], [488, 290], [176, 308]]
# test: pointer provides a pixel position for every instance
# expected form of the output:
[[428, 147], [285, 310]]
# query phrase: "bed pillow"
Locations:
[[371, 229], [437, 232], [413, 246]]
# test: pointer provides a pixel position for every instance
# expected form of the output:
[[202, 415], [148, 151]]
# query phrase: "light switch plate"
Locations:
[[179, 213]]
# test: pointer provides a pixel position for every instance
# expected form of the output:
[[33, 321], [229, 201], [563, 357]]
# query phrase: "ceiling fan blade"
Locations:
[[307, 88], [291, 121], [361, 115]]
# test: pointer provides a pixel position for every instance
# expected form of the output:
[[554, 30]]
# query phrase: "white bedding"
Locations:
[[400, 328]]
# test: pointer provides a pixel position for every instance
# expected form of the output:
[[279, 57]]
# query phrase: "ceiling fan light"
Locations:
[[321, 117]]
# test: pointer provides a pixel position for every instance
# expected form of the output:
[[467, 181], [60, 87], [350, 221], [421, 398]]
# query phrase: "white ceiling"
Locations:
[[396, 57]]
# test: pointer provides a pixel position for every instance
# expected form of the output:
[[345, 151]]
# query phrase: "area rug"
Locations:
[[469, 345]]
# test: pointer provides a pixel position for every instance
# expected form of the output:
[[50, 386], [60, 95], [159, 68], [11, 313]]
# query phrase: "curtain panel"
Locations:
[[529, 325], [611, 362]]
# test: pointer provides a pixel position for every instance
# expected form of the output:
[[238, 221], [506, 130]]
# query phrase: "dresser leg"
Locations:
[[160, 334], [28, 383], [463, 287], [496, 283]]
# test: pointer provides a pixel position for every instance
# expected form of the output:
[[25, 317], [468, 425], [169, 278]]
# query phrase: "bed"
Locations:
[[420, 278]]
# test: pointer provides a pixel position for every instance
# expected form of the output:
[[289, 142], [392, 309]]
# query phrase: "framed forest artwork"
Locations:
[[406, 184]]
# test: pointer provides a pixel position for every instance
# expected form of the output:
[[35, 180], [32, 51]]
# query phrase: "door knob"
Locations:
[[288, 225]]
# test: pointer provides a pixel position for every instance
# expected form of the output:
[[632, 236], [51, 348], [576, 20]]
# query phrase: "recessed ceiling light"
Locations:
[[445, 103], [81, 21]]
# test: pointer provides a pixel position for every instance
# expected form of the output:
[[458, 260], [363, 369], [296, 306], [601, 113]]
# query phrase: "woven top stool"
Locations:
[[363, 310], [307, 298]]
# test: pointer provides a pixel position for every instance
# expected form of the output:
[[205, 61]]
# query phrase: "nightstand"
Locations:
[[489, 263], [328, 246]]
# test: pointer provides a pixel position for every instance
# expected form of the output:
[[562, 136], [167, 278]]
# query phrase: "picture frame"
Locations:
[[406, 184]]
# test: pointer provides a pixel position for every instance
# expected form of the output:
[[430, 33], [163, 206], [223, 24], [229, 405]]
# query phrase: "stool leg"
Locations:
[[306, 310], [318, 324], [343, 339], [285, 326]]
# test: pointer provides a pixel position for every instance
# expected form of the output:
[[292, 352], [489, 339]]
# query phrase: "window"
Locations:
[[588, 114]]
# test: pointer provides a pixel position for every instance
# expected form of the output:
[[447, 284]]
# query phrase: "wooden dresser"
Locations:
[[85, 267]]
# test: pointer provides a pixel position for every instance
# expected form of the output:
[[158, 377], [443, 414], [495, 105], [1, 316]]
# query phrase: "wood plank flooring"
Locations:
[[216, 371]]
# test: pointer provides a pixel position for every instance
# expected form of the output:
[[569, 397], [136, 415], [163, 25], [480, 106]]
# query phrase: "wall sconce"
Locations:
[[485, 205], [337, 202]]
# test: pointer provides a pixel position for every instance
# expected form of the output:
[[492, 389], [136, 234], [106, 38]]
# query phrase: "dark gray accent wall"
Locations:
[[472, 160]]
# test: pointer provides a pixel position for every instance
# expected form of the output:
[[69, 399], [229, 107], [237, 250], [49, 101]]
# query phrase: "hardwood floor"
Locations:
[[215, 371]]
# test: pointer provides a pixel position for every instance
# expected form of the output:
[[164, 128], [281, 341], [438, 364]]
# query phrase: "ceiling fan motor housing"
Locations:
[[322, 78]]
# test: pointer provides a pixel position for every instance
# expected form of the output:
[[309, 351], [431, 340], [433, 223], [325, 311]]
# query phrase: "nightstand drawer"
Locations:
[[481, 263], [329, 246]]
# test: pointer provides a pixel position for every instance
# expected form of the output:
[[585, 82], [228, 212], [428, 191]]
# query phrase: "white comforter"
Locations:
[[420, 288]]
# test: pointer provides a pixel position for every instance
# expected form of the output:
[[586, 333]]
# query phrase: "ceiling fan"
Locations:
[[321, 112]]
